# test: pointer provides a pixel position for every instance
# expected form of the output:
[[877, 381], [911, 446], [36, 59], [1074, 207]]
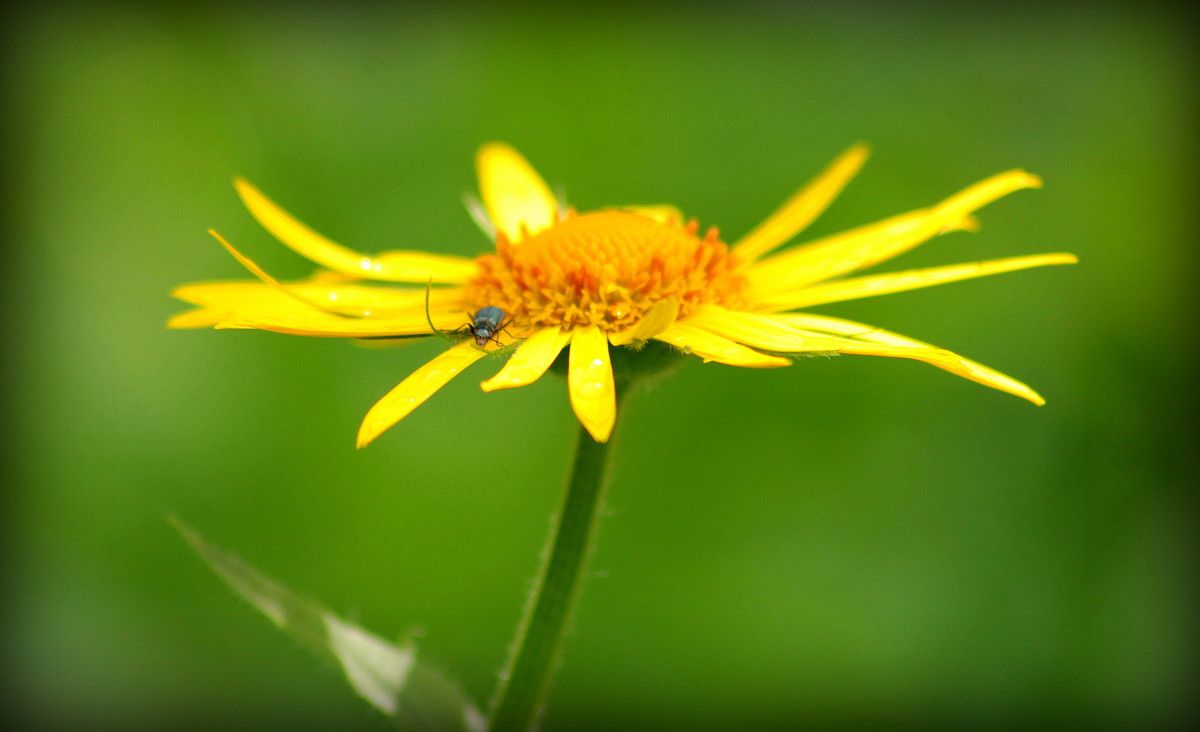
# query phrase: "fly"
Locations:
[[488, 321], [485, 324]]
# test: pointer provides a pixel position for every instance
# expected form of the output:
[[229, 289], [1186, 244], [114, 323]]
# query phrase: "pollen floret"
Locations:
[[605, 269]]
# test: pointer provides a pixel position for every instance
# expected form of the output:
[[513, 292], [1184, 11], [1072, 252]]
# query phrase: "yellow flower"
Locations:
[[616, 277]]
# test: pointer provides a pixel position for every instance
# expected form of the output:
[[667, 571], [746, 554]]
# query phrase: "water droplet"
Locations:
[[590, 390]]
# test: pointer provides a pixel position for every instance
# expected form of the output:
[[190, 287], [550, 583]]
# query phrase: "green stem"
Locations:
[[525, 684]]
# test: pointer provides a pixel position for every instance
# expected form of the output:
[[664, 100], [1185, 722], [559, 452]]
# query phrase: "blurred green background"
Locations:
[[844, 542]]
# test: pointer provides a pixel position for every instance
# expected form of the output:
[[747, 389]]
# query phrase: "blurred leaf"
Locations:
[[415, 696]]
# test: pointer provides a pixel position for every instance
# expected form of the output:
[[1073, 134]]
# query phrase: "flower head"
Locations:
[[613, 278]]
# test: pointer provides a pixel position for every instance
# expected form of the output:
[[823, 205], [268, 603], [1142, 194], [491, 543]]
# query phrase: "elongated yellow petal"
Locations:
[[660, 317], [826, 324], [385, 344], [252, 297], [840, 253], [394, 266], [324, 325], [261, 274], [858, 287], [898, 346], [222, 302], [985, 191], [662, 213], [256, 297], [413, 391], [712, 347], [533, 357], [364, 301], [590, 383], [401, 265], [357, 301], [197, 318], [955, 364], [804, 207], [226, 291], [515, 195], [760, 331], [867, 245]]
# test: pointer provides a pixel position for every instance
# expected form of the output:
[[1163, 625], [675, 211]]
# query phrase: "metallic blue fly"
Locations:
[[484, 325]]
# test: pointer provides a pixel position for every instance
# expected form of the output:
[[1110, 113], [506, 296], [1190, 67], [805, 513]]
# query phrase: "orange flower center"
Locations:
[[606, 269]]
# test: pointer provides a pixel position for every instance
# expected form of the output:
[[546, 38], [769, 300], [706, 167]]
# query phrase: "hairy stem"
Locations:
[[526, 681]]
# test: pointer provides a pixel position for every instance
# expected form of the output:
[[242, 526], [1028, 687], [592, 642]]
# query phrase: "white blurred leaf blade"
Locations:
[[389, 676]]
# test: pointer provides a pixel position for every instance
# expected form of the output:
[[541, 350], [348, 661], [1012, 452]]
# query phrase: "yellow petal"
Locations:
[[840, 253], [383, 344], [590, 382], [867, 245], [257, 298], [357, 301], [319, 324], [986, 191], [367, 301], [858, 287], [712, 347], [515, 195], [804, 207], [658, 318], [898, 346], [955, 364], [966, 223], [826, 324], [400, 265], [225, 301], [320, 274], [662, 213], [395, 266], [261, 274], [414, 390], [533, 357], [228, 291], [197, 318], [760, 331]]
